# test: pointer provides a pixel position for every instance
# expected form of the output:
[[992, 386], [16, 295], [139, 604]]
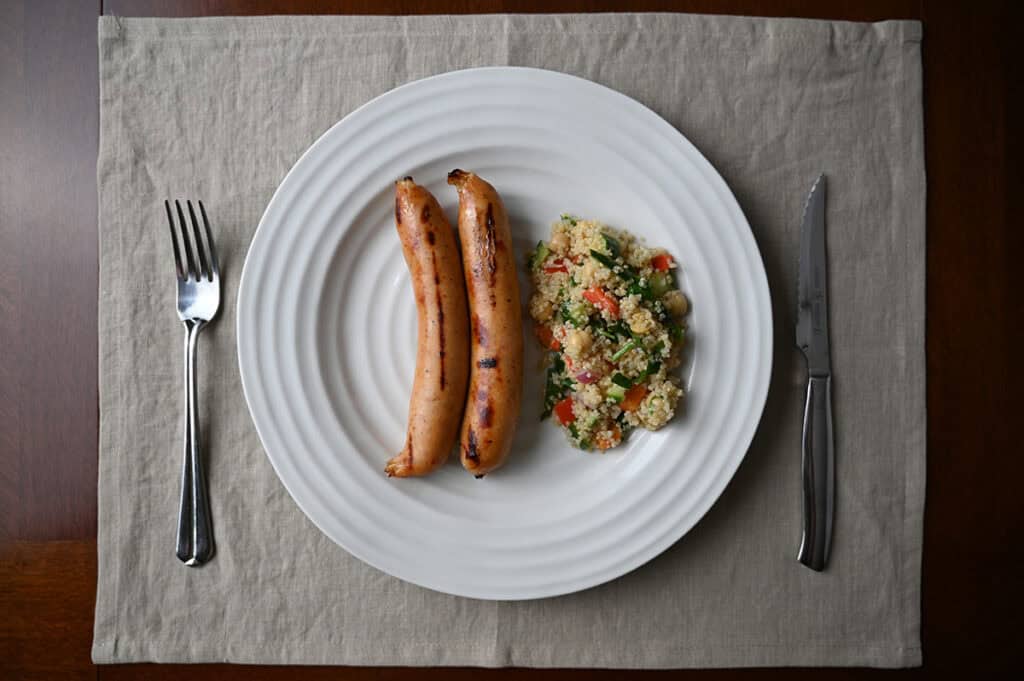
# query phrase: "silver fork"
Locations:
[[198, 302]]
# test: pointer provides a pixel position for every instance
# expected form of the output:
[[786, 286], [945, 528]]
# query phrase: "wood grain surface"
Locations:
[[972, 584]]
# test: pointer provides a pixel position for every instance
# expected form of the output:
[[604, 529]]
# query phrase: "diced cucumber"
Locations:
[[575, 314], [660, 283], [540, 255], [616, 392]]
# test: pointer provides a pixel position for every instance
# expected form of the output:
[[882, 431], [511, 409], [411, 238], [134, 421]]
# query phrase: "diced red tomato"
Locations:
[[556, 266], [661, 262], [546, 338], [563, 410], [634, 396], [598, 297]]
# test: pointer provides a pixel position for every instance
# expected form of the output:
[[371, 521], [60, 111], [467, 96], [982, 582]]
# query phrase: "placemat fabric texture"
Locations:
[[221, 108]]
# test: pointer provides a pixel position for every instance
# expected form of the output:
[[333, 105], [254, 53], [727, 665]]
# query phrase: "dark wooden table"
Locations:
[[48, 282]]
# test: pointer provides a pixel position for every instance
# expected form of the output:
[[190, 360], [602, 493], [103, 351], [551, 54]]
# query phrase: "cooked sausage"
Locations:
[[496, 347], [442, 355]]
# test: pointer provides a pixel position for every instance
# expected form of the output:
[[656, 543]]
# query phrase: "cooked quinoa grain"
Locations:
[[609, 311]]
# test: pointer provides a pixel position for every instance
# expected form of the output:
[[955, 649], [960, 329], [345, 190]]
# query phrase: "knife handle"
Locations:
[[818, 472]]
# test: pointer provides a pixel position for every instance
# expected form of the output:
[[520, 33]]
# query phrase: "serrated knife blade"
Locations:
[[812, 337], [812, 284]]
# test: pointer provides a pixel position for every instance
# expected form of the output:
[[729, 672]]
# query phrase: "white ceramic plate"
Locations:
[[327, 329]]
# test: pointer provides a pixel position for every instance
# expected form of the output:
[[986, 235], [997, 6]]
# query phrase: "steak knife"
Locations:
[[817, 444]]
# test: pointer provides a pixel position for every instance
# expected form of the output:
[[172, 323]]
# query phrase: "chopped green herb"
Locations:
[[558, 364], [675, 332], [658, 347], [574, 431], [619, 379], [604, 330], [653, 366], [625, 331], [624, 271], [556, 385], [603, 259], [642, 289], [571, 219], [621, 352], [612, 244]]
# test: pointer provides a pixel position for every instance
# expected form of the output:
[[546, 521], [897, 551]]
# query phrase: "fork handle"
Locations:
[[195, 529]]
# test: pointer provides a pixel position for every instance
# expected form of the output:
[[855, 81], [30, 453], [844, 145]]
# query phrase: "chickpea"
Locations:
[[675, 302], [578, 341]]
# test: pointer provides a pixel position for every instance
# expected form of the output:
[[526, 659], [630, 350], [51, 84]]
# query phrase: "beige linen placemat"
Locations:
[[221, 108]]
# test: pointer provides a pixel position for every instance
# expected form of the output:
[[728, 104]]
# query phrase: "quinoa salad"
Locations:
[[609, 312]]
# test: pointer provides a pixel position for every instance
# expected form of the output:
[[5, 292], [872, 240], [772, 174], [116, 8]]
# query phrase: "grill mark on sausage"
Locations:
[[440, 333], [487, 363], [492, 253], [430, 233], [480, 331], [440, 316], [490, 245], [398, 211], [425, 215], [472, 451], [485, 414]]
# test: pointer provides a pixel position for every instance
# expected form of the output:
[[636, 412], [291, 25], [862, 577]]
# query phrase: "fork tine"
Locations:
[[192, 269], [200, 250], [174, 242], [214, 266]]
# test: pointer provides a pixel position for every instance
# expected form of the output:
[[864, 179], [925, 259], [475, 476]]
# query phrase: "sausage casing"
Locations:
[[496, 344], [442, 354]]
